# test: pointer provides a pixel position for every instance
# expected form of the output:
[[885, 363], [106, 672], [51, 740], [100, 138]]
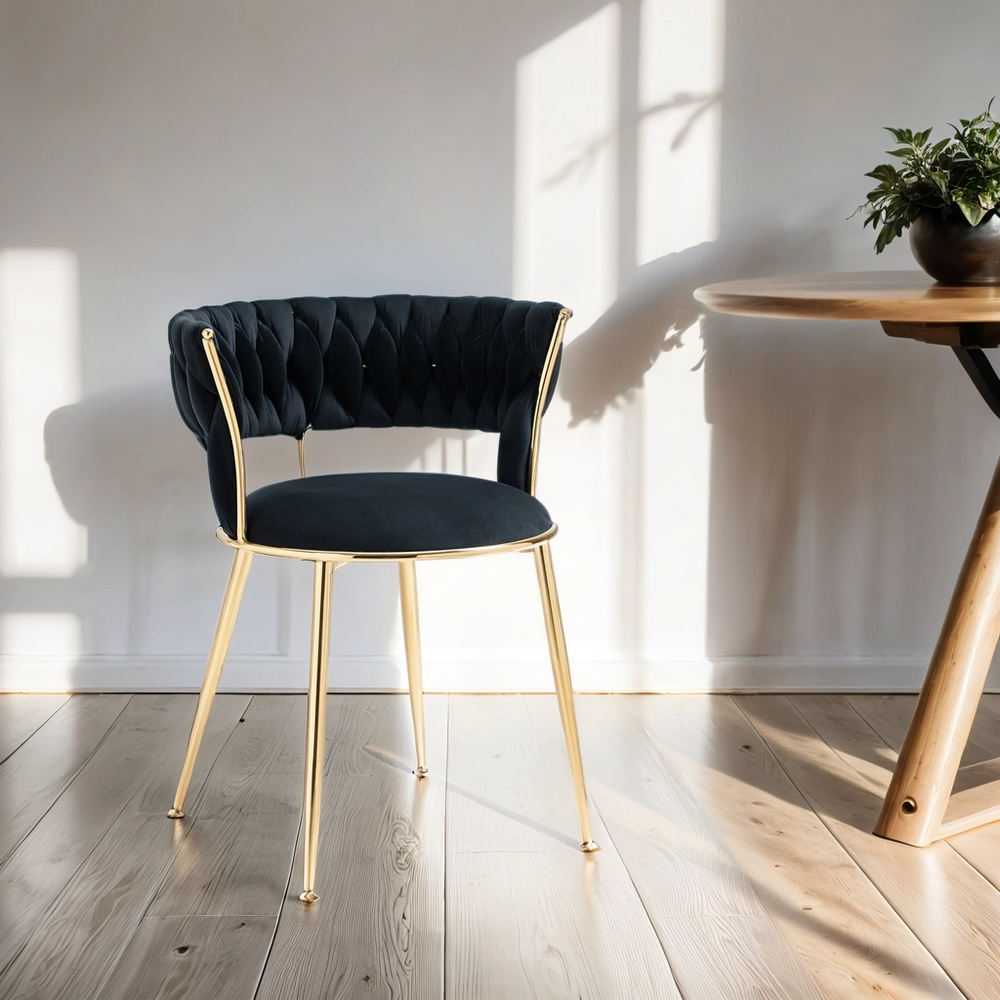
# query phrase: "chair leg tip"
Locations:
[[589, 847], [309, 897], [176, 813], [421, 772]]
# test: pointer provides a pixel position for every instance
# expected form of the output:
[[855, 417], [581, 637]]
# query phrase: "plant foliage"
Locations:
[[961, 172]]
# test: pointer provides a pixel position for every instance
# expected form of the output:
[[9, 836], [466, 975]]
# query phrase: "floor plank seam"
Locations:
[[56, 899], [446, 846], [192, 821], [611, 839], [43, 723], [281, 911], [693, 895], [888, 746], [202, 790], [861, 867], [168, 862], [947, 840], [72, 778], [635, 888], [288, 882]]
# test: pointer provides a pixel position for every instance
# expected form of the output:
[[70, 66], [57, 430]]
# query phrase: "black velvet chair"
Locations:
[[250, 369]]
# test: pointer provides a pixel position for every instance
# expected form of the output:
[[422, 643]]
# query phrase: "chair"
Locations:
[[250, 369]]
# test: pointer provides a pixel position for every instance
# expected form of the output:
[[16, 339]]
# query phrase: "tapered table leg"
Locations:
[[915, 806]]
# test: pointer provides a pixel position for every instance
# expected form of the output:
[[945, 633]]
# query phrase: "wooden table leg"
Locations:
[[917, 808]]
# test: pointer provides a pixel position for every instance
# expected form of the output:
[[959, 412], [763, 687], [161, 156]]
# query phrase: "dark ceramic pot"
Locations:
[[955, 253]]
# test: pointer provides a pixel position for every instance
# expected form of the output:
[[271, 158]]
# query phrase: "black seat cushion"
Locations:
[[392, 512], [389, 361]]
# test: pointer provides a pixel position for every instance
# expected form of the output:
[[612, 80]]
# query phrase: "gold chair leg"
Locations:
[[319, 656], [564, 684], [216, 659], [411, 639]]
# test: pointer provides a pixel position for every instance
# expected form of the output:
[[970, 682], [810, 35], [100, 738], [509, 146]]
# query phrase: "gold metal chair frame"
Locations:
[[325, 565]]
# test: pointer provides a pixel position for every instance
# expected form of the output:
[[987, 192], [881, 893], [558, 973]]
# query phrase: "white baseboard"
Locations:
[[387, 673]]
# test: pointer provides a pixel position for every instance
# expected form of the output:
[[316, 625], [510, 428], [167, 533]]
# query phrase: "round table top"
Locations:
[[903, 296]]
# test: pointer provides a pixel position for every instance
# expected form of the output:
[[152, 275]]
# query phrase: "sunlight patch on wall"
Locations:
[[39, 371], [681, 50], [41, 634], [565, 187], [680, 126]]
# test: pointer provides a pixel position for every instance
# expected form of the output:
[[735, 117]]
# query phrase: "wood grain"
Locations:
[[192, 958], [890, 714], [902, 296], [736, 855], [842, 768], [509, 783], [36, 873], [22, 714], [236, 858], [378, 928], [529, 924], [527, 913], [101, 905], [849, 937], [680, 866], [33, 777], [980, 847]]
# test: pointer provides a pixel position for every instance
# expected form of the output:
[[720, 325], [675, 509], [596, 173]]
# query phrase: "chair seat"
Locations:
[[379, 512]]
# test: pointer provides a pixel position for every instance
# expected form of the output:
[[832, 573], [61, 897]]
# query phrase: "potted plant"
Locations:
[[946, 193]]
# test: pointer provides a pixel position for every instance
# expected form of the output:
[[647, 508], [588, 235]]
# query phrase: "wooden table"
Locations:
[[930, 796]]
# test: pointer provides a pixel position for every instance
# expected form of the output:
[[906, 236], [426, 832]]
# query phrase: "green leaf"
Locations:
[[962, 169], [884, 172], [901, 134], [971, 208]]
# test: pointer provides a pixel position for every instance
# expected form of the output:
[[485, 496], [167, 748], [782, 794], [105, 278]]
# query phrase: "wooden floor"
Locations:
[[737, 859]]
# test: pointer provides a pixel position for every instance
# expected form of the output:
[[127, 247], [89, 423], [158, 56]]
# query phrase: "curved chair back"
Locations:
[[393, 360]]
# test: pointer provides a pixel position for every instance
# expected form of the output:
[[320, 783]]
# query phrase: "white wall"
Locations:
[[742, 503]]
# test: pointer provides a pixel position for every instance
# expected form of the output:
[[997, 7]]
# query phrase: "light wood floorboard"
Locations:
[[33, 777], [843, 768], [528, 915], [193, 958], [849, 937], [237, 856], [22, 714], [980, 847], [889, 715], [508, 780], [37, 871], [693, 889], [97, 910], [378, 928], [737, 859]]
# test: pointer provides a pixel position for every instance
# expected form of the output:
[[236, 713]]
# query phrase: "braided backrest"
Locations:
[[334, 363]]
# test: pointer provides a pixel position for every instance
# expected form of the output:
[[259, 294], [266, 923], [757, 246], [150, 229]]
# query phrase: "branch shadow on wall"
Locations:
[[807, 529], [657, 309]]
